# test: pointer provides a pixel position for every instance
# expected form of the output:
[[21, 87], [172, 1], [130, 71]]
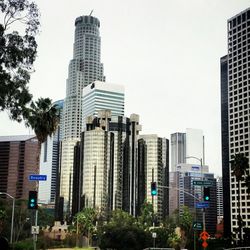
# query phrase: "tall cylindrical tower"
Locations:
[[84, 68]]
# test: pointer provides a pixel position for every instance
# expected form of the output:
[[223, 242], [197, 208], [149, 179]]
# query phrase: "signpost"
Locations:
[[197, 225], [203, 183], [35, 230], [202, 204], [204, 236], [37, 177]]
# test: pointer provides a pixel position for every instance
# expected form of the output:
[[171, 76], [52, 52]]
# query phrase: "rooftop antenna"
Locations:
[[91, 12]]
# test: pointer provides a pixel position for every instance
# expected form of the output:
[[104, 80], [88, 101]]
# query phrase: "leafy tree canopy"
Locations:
[[17, 53], [120, 218], [86, 221], [43, 117], [147, 215]]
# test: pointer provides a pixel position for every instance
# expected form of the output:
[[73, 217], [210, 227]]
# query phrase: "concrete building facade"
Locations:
[[18, 160], [237, 80], [153, 166], [49, 163]]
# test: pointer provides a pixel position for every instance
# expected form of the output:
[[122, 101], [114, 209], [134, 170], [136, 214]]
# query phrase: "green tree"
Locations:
[[174, 241], [239, 165], [45, 217], [121, 218], [126, 237], [17, 54], [43, 117], [85, 221], [185, 224], [147, 215]]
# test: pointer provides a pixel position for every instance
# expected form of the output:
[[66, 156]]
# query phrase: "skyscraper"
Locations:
[[153, 166], [225, 146], [49, 163], [103, 96], [237, 80], [178, 149], [103, 167], [84, 68], [219, 191], [185, 147]]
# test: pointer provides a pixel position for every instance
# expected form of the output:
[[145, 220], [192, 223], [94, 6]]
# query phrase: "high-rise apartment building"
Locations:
[[18, 160], [237, 80]]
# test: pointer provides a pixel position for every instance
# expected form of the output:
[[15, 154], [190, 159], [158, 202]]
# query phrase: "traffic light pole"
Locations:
[[35, 235], [195, 198]]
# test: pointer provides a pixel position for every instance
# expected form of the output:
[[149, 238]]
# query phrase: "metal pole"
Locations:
[[12, 220], [203, 211], [12, 217], [36, 221]]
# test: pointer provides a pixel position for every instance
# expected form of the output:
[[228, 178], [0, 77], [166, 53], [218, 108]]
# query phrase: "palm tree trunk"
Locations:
[[239, 215]]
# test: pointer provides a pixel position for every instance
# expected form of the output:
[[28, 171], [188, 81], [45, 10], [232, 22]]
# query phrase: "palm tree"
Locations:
[[43, 118], [239, 165]]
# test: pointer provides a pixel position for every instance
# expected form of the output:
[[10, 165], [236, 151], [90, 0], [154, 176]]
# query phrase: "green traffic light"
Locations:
[[207, 198], [154, 192]]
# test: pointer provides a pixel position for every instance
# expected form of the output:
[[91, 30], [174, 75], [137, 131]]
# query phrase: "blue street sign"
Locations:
[[202, 204], [37, 177]]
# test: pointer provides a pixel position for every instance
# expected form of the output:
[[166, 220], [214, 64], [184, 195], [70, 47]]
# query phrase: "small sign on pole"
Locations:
[[35, 230], [203, 183], [202, 204], [154, 235], [37, 177], [197, 225]]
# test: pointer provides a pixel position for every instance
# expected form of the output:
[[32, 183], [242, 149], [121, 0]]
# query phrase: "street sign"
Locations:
[[203, 183], [204, 244], [37, 177], [35, 230], [204, 235], [202, 204], [154, 235], [197, 225]]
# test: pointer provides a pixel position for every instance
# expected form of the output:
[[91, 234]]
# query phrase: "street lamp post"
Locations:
[[12, 217], [203, 212]]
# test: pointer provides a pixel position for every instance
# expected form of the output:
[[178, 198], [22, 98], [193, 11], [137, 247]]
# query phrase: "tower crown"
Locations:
[[87, 20]]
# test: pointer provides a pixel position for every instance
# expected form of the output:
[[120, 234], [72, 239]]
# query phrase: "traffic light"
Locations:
[[153, 189], [32, 202], [206, 194]]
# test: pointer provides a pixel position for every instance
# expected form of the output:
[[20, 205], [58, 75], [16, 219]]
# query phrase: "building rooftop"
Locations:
[[16, 138]]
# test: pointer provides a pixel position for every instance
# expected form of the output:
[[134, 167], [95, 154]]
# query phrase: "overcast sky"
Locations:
[[165, 52]]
